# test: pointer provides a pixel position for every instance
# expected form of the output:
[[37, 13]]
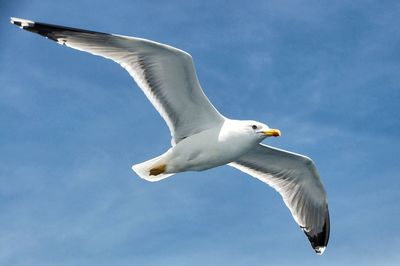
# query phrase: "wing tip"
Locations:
[[320, 250], [319, 241], [22, 23], [50, 31], [46, 30]]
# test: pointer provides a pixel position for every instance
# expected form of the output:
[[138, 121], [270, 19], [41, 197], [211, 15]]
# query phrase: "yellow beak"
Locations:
[[272, 132]]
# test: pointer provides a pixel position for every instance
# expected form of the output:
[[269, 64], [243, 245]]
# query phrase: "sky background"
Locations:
[[327, 74]]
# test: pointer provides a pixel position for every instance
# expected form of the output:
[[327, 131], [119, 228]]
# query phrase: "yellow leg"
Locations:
[[158, 169]]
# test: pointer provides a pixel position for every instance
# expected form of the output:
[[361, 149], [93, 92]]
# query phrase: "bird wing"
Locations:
[[296, 179], [165, 74]]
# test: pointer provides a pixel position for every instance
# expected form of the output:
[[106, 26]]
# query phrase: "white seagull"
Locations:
[[202, 138]]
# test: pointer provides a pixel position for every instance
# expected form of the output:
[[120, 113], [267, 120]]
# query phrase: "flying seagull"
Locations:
[[202, 138]]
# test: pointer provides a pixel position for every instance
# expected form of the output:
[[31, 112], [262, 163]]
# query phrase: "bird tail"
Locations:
[[152, 170]]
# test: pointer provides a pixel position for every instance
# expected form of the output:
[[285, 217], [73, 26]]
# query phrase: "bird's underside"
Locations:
[[168, 78]]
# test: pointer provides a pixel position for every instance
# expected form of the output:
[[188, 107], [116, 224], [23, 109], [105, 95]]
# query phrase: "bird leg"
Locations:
[[158, 169]]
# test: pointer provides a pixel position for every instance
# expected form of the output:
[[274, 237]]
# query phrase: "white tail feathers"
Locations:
[[143, 169]]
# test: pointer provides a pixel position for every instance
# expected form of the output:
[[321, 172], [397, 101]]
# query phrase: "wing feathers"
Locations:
[[165, 74], [297, 181]]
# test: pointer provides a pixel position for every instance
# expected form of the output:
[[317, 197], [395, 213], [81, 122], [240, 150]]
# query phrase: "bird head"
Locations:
[[251, 130], [260, 130]]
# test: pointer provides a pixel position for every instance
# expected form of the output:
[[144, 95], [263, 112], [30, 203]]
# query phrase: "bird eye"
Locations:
[[254, 127]]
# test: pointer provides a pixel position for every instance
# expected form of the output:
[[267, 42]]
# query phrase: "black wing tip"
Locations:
[[53, 32], [35, 27], [320, 240], [22, 23]]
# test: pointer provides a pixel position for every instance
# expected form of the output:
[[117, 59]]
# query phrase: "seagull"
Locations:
[[202, 138]]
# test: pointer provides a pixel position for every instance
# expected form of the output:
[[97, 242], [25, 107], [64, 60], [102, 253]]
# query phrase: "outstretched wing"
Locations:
[[165, 74], [296, 179]]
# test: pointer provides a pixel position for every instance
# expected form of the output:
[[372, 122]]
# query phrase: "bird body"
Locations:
[[207, 149], [202, 138]]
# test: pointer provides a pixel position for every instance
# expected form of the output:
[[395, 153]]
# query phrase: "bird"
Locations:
[[201, 137]]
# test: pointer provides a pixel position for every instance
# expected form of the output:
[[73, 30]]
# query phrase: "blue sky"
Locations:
[[326, 74]]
